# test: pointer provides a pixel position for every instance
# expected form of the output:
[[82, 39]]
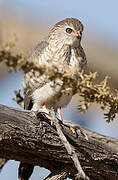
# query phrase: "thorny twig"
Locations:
[[90, 91]]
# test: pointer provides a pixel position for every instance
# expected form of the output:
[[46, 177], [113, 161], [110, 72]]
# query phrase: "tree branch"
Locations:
[[61, 173], [70, 150], [25, 138], [2, 163]]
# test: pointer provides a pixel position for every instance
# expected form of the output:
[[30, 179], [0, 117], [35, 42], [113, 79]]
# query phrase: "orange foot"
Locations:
[[60, 117], [47, 115], [59, 113]]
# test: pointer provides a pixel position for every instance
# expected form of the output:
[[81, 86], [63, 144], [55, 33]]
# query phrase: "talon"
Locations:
[[72, 129], [48, 116], [46, 111]]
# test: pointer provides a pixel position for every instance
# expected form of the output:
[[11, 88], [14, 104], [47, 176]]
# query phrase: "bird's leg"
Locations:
[[47, 115], [60, 117], [44, 106], [59, 113]]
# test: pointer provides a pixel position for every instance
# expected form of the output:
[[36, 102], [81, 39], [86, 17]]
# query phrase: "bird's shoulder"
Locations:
[[83, 57], [37, 50], [81, 52]]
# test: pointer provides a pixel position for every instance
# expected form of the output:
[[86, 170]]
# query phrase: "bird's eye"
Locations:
[[69, 30]]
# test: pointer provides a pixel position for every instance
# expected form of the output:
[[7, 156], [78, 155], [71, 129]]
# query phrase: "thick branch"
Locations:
[[25, 138], [70, 150], [61, 173]]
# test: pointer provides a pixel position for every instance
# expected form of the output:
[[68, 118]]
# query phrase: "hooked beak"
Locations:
[[78, 34]]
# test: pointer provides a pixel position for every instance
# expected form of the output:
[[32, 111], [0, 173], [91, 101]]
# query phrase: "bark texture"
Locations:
[[26, 138]]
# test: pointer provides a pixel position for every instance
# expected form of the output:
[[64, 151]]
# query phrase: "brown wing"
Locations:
[[82, 54], [37, 50]]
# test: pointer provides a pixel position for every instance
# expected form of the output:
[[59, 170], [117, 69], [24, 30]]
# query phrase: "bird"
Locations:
[[61, 49]]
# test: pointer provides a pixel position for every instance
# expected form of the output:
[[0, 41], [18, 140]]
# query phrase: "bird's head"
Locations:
[[67, 32]]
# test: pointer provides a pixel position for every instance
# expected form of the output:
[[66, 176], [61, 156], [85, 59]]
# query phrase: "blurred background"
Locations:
[[31, 20]]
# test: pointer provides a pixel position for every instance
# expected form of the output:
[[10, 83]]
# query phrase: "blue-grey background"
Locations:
[[31, 20]]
